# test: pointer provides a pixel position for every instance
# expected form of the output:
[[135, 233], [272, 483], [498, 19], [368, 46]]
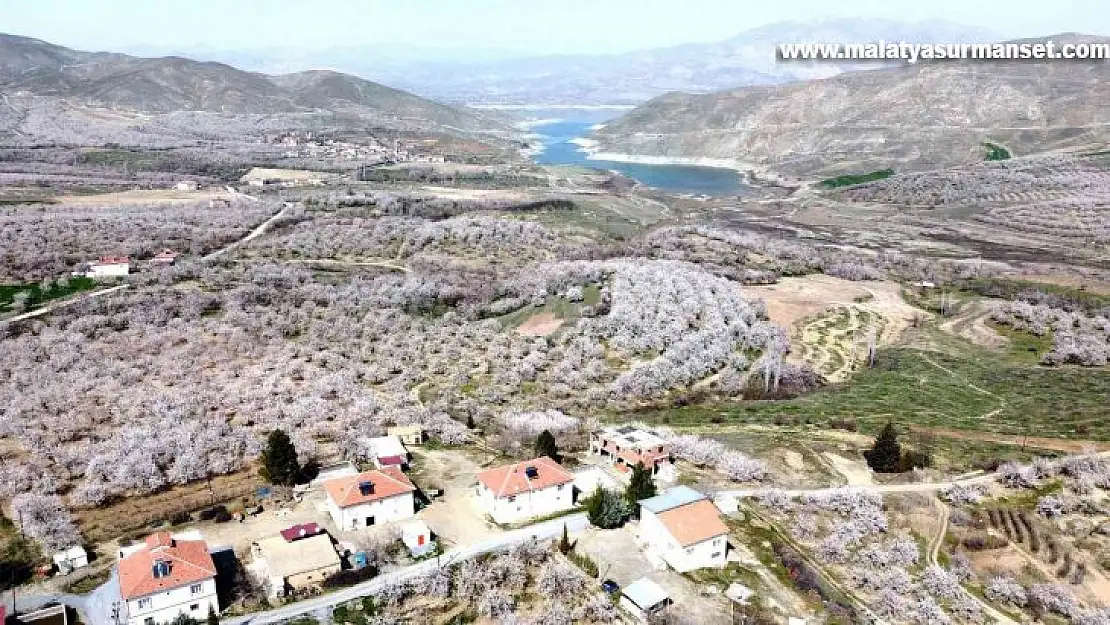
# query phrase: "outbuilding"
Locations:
[[644, 598]]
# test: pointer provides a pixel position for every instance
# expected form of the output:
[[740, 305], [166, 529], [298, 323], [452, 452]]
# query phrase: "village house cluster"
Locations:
[[170, 574], [308, 145]]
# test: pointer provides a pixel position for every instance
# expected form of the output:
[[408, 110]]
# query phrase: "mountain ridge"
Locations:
[[908, 117], [172, 84]]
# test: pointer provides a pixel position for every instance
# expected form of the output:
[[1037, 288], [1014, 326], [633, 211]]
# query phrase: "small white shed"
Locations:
[[73, 558], [418, 538], [643, 598]]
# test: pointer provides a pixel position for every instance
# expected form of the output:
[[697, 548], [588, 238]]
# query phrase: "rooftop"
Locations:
[[645, 593], [530, 475], [287, 558], [300, 531], [387, 446], [179, 563], [671, 498], [628, 436], [352, 490], [693, 523]]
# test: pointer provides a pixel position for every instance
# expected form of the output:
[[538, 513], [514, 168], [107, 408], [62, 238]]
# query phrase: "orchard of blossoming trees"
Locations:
[[1076, 337], [1058, 196], [182, 376], [48, 241]]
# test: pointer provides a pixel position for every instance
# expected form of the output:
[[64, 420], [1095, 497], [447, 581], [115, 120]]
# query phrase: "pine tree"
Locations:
[[886, 455], [606, 509], [470, 422], [641, 486], [545, 446], [565, 546], [279, 460]]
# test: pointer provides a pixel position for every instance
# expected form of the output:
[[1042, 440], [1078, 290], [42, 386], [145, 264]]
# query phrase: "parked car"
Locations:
[[610, 586]]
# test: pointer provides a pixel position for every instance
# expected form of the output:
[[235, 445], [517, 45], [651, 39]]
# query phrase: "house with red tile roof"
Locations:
[[515, 492], [370, 498], [626, 446], [166, 576], [684, 529]]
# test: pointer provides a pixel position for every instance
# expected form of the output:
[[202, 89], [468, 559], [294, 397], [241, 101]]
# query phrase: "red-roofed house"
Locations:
[[683, 528], [165, 257], [165, 577], [524, 490], [370, 498]]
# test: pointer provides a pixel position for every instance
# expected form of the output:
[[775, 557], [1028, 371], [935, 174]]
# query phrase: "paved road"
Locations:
[[542, 531], [924, 487], [38, 312]]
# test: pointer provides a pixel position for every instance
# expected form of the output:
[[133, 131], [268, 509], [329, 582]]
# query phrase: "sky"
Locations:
[[511, 27]]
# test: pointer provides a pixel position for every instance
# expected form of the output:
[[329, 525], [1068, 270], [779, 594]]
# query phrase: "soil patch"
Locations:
[[542, 324]]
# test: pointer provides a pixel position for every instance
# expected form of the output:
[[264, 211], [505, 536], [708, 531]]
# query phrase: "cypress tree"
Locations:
[[885, 456], [641, 486], [545, 446], [279, 460]]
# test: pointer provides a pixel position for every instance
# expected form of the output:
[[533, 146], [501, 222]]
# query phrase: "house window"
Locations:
[[689, 551], [148, 621], [561, 486], [716, 542], [716, 555], [195, 589], [144, 603], [512, 499], [194, 607]]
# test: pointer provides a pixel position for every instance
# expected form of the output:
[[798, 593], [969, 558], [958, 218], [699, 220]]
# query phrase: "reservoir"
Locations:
[[556, 137]]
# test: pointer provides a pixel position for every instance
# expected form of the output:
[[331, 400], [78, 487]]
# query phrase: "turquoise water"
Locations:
[[673, 178]]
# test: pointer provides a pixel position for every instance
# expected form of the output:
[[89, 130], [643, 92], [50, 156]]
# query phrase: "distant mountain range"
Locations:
[[33, 68], [632, 78], [907, 117]]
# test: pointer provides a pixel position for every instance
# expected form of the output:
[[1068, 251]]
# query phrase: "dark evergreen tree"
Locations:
[[545, 446], [470, 422], [606, 509], [279, 460], [885, 456], [641, 486], [213, 618]]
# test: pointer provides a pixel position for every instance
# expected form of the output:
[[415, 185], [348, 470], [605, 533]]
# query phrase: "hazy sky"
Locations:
[[530, 26]]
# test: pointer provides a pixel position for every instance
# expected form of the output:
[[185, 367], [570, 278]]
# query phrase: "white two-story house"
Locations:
[[370, 498], [165, 577], [520, 491], [684, 529]]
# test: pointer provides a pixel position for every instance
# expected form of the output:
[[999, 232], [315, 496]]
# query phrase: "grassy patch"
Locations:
[[1005, 288], [38, 296], [963, 386], [848, 180]]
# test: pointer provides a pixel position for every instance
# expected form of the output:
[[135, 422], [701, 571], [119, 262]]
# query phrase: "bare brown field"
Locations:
[[1039, 442], [542, 324], [134, 513], [833, 319]]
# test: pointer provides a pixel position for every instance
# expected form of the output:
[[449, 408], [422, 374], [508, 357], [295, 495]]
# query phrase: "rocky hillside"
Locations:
[[121, 83], [912, 117]]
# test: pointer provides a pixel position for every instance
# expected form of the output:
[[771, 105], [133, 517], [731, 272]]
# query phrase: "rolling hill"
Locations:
[[910, 117], [127, 84]]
